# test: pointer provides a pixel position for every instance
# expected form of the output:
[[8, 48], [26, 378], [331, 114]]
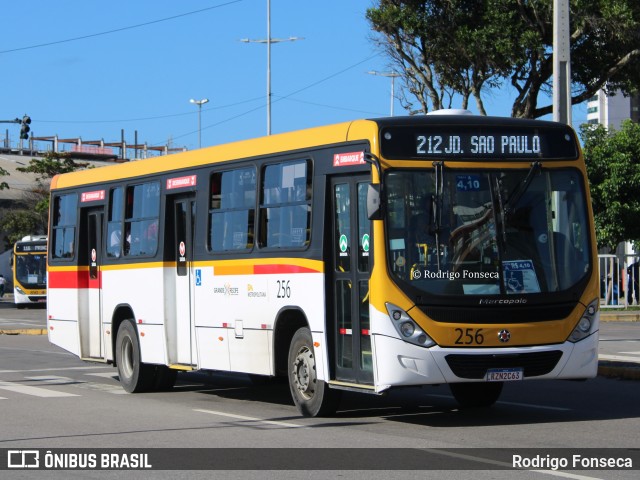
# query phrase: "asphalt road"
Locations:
[[50, 400], [619, 351]]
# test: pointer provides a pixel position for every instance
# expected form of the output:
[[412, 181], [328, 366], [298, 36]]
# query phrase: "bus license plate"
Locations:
[[504, 374]]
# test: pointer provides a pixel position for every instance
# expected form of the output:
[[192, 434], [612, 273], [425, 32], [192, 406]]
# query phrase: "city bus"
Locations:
[[29, 264], [365, 256]]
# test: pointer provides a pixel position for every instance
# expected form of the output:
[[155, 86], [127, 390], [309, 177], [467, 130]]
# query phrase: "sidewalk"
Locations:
[[614, 315]]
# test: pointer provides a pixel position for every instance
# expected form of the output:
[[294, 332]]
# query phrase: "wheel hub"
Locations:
[[304, 373]]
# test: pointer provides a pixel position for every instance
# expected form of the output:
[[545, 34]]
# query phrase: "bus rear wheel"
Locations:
[[134, 375], [312, 397], [476, 395]]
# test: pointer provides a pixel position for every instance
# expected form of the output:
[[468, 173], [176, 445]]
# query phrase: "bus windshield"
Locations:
[[31, 270], [481, 232]]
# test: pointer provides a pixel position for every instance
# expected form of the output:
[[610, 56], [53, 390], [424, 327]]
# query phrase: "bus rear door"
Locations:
[[90, 318], [179, 295]]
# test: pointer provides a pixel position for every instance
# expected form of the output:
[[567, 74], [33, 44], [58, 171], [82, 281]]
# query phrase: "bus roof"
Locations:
[[33, 238], [291, 141], [297, 140]]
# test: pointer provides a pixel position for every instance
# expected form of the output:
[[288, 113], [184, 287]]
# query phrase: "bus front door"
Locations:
[[349, 288], [179, 249]]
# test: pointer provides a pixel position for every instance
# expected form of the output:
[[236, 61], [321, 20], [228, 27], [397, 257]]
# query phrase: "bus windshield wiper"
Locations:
[[436, 207], [520, 190], [500, 213]]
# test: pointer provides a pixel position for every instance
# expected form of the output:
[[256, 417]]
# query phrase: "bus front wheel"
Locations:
[[312, 396], [471, 395], [134, 375]]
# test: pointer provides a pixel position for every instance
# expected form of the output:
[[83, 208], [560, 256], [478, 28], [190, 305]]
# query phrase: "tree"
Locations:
[[464, 47], [613, 167], [45, 168], [52, 164], [33, 220], [19, 223], [3, 185]]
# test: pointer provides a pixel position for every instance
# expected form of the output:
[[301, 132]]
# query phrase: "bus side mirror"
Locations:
[[374, 212]]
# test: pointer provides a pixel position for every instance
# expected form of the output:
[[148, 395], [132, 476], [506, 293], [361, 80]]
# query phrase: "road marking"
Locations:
[[53, 380], [96, 387], [61, 369], [631, 353], [619, 358], [473, 458], [34, 391], [526, 405], [113, 375], [250, 419], [530, 405]]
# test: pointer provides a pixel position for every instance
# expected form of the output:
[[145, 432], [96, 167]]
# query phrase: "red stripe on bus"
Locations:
[[73, 279]]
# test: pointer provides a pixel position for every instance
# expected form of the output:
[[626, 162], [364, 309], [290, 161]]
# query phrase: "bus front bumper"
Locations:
[[399, 363]]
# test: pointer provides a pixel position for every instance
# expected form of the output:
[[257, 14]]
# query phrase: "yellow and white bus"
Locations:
[[29, 264], [362, 256]]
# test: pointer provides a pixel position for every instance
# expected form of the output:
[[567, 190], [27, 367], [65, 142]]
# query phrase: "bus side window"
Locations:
[[65, 214], [114, 222], [231, 212], [141, 219], [285, 205]]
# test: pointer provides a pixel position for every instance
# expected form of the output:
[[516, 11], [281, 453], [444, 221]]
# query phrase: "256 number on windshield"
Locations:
[[469, 336]]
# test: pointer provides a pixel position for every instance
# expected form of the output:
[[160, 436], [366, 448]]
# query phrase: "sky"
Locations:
[[90, 69]]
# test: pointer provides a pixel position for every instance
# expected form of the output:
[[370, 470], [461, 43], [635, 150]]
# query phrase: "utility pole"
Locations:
[[269, 41], [561, 62]]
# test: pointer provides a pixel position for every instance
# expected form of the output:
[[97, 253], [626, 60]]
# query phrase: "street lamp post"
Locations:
[[269, 41], [199, 103], [391, 75]]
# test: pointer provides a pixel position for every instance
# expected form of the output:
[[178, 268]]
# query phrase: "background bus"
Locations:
[[29, 264], [363, 256]]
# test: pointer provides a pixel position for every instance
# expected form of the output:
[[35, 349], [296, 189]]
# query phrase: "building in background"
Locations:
[[611, 110], [620, 275]]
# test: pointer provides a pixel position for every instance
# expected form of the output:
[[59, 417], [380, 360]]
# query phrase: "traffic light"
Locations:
[[24, 127]]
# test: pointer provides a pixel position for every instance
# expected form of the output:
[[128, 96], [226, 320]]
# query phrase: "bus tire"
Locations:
[[312, 397], [135, 376], [476, 394]]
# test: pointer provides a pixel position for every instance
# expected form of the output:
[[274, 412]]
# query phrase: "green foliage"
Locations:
[[18, 223], [447, 47], [613, 167], [3, 185], [52, 164], [45, 168]]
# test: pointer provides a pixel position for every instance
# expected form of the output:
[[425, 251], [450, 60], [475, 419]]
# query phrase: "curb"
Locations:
[[619, 316], [25, 331], [621, 370]]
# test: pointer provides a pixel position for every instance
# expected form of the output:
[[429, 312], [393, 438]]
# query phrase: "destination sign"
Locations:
[[32, 247], [479, 142]]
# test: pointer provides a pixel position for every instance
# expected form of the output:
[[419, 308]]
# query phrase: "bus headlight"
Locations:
[[408, 329], [20, 291], [586, 324]]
